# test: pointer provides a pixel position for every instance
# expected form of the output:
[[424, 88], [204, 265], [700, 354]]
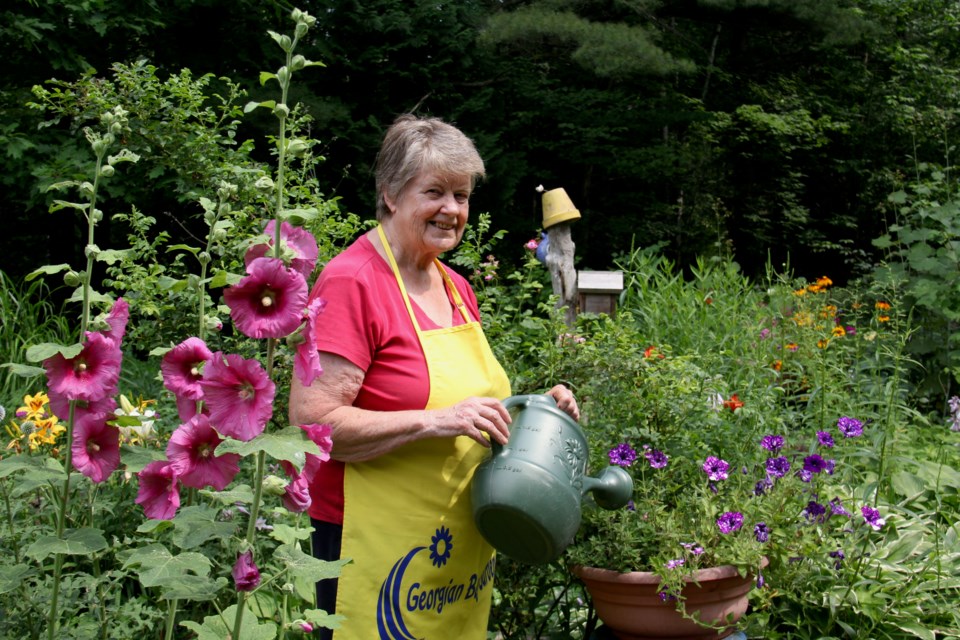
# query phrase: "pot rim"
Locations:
[[649, 577]]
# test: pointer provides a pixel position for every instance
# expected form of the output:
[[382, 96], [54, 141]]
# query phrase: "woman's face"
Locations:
[[430, 213]]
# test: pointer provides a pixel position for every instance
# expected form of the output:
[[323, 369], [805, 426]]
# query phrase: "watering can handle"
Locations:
[[514, 401]]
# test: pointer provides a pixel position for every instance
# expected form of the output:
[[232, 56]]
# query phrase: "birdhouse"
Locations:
[[599, 291]]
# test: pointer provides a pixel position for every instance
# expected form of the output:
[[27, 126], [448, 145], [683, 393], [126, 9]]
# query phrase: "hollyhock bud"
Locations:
[[246, 575]]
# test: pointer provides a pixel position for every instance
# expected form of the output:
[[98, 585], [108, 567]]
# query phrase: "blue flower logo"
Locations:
[[440, 549]]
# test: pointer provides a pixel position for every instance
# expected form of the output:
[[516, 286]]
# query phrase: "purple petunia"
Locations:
[[715, 468], [850, 427], [772, 443], [815, 511], [730, 521], [837, 509], [657, 459], [622, 455], [761, 532], [814, 464], [872, 517], [778, 467], [825, 439]]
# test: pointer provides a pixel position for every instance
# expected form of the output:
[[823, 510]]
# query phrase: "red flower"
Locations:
[[238, 394], [96, 446], [92, 375], [733, 403], [651, 352], [191, 452], [159, 491], [294, 240], [246, 575], [269, 302]]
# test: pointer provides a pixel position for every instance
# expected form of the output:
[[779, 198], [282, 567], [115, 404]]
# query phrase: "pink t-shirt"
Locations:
[[366, 321]]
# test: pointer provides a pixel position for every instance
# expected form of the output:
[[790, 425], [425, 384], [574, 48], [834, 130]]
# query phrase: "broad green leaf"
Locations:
[[80, 542], [286, 534], [63, 204], [111, 256], [299, 216], [195, 525], [183, 247], [306, 566], [95, 297], [224, 278], [23, 370], [267, 104], [916, 629], [189, 587], [171, 284], [44, 350], [239, 493], [214, 627], [906, 484], [157, 565], [289, 443], [151, 526], [37, 478], [136, 458], [11, 577], [46, 270], [322, 618], [32, 464]]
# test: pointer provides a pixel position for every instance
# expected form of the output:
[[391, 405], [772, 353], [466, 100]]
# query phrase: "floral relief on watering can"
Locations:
[[527, 494]]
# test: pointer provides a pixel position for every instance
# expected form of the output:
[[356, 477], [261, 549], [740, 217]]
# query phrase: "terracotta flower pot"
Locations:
[[629, 604]]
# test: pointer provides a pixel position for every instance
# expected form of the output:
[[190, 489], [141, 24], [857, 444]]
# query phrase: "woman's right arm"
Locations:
[[361, 434]]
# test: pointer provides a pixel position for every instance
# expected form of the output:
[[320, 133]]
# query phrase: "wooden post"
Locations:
[[560, 253], [558, 213]]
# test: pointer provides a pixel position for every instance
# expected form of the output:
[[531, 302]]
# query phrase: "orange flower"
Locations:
[[777, 365], [814, 288], [733, 403], [651, 352], [839, 332], [800, 292], [882, 304], [792, 346], [824, 281], [883, 318], [823, 342]]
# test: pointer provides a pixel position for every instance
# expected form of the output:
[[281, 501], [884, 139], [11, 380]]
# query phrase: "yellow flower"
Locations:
[[881, 304], [814, 288], [824, 281], [828, 311], [839, 332], [823, 342], [883, 318], [801, 319], [45, 432], [33, 406], [800, 292]]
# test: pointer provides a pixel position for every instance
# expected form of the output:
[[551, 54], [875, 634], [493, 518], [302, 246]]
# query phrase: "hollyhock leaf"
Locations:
[[285, 534], [156, 565], [224, 279], [23, 370], [195, 525], [214, 627], [189, 587], [306, 567], [44, 350], [269, 302], [76, 542], [289, 443], [238, 493], [134, 459], [11, 577], [319, 617]]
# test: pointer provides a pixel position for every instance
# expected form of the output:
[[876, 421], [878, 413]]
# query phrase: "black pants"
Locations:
[[326, 546]]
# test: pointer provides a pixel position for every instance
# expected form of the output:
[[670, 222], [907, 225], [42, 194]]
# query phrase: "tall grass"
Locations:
[[27, 316]]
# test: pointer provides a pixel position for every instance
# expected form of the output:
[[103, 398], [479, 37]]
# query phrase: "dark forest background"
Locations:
[[769, 130]]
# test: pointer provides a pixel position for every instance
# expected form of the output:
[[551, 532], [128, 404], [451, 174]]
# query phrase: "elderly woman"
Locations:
[[413, 394]]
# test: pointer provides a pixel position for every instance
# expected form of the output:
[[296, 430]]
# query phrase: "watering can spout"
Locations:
[[612, 489]]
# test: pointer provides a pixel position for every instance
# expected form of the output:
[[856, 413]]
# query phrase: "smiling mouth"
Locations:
[[443, 226]]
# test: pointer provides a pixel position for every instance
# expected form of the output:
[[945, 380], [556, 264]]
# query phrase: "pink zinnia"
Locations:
[[159, 491], [306, 364], [295, 240], [117, 321], [95, 447], [246, 575], [239, 395], [269, 301], [91, 375], [191, 451]]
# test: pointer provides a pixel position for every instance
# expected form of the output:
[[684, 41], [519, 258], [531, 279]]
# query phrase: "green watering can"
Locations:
[[526, 495]]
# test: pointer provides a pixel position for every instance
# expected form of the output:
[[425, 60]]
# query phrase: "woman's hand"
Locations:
[[474, 417], [565, 401]]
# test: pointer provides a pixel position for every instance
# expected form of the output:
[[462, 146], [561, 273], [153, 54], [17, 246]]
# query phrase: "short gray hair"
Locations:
[[412, 145]]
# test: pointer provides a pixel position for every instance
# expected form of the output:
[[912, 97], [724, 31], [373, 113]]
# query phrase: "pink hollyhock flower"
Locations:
[[322, 436], [117, 320], [191, 451], [91, 375], [293, 240], [246, 576], [95, 447], [306, 364], [181, 368], [269, 301], [159, 491], [238, 394], [296, 495]]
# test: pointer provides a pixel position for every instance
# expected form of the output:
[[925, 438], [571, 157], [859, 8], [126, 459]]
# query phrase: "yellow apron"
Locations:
[[421, 570]]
